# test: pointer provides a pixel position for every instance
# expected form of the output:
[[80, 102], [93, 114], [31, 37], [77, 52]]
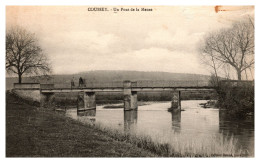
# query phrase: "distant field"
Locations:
[[116, 78]]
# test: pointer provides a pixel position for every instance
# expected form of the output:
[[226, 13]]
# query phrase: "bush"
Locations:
[[237, 100]]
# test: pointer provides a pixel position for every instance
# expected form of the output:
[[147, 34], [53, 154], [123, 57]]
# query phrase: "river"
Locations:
[[193, 126]]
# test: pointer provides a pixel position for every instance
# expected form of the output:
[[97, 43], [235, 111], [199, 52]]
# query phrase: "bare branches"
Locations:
[[23, 53], [233, 46]]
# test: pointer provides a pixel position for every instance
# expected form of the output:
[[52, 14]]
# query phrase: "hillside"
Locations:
[[106, 76]]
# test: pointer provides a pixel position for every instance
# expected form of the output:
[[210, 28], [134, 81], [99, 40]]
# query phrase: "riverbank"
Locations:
[[31, 132], [239, 101]]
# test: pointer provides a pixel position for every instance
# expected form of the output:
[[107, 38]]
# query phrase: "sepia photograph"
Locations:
[[130, 81]]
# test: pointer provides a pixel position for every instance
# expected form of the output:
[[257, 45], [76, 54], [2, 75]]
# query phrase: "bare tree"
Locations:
[[208, 59], [23, 54], [233, 46]]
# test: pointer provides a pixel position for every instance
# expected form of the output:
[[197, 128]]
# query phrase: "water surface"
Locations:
[[194, 123]]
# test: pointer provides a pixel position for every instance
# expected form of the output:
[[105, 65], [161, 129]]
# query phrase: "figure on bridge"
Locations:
[[80, 82], [72, 83], [84, 82]]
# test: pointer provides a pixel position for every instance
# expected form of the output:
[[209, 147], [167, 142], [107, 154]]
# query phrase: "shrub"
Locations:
[[237, 100]]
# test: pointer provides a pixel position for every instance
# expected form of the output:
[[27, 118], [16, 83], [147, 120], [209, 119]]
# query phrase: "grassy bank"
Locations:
[[31, 132]]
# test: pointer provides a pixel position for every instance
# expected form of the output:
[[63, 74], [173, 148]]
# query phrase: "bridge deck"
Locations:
[[121, 89]]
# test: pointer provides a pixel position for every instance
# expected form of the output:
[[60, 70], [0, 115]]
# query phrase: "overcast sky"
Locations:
[[164, 39]]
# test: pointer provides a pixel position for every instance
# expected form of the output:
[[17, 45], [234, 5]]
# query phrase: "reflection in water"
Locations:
[[90, 114], [176, 121], [243, 130], [130, 119], [195, 123]]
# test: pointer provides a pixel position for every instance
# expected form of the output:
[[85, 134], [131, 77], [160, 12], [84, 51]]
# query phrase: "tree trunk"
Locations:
[[239, 75], [215, 69], [19, 78]]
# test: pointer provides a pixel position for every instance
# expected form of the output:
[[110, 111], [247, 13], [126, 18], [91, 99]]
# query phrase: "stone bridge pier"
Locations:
[[47, 99], [32, 92], [86, 101], [176, 100], [90, 100], [130, 97]]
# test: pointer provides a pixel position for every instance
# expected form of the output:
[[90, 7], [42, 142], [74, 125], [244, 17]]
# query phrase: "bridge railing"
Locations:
[[138, 83], [161, 83], [237, 83], [89, 85], [144, 83]]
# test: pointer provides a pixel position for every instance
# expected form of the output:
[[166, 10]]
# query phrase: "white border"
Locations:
[[129, 2], [3, 3]]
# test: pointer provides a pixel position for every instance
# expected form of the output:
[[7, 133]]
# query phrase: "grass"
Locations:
[[31, 132], [179, 145]]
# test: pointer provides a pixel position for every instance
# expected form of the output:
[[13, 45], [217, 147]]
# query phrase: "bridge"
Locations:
[[44, 93]]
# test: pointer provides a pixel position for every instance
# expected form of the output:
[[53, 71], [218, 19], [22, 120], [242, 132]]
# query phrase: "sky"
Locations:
[[165, 39]]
